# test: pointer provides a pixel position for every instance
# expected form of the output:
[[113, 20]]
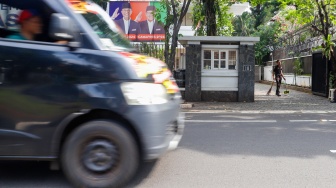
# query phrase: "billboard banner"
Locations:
[[136, 19]]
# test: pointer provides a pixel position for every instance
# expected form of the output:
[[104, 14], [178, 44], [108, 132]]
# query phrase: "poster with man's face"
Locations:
[[136, 19]]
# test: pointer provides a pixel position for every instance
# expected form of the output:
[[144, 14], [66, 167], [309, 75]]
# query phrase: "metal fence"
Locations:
[[320, 74], [157, 50]]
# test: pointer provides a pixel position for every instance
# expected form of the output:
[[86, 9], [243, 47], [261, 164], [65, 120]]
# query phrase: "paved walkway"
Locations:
[[295, 101]]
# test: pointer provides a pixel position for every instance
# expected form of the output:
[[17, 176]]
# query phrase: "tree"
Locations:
[[268, 37], [297, 68], [212, 17], [320, 14], [244, 25], [175, 12], [259, 22], [263, 11]]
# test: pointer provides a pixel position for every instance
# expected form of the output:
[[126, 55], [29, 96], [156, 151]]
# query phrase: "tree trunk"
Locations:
[[210, 14], [257, 16], [166, 54], [176, 21], [173, 49]]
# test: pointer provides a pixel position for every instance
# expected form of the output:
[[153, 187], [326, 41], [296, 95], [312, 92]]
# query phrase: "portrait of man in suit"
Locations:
[[151, 26], [127, 25]]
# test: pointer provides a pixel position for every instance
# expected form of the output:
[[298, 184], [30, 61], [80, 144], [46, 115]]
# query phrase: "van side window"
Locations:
[[10, 26]]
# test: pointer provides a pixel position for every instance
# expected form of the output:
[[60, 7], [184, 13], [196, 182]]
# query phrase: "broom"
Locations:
[[269, 91]]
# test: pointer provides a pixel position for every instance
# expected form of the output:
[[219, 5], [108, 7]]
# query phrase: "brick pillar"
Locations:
[[246, 73], [193, 73]]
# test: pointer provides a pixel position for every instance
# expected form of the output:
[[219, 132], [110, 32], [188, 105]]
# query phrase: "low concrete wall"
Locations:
[[303, 81], [258, 73]]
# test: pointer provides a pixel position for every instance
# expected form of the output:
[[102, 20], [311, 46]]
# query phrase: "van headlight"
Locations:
[[144, 93]]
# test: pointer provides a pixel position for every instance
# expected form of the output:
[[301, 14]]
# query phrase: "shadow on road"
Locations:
[[32, 174]]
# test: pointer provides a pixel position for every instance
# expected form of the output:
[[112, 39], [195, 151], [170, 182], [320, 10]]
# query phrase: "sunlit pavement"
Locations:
[[293, 102]]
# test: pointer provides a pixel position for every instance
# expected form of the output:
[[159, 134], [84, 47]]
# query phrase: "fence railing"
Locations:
[[299, 42], [157, 50]]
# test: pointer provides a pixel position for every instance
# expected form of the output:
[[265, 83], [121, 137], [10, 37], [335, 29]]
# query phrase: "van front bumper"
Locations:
[[160, 128]]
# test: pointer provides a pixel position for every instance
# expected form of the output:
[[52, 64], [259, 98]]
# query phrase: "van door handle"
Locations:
[[3, 71]]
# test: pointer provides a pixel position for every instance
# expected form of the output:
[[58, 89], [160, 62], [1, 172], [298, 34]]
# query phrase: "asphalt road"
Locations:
[[225, 150]]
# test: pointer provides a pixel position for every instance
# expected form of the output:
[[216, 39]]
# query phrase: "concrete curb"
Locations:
[[186, 105], [262, 111]]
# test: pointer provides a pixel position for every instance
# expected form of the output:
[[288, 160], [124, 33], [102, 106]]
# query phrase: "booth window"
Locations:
[[219, 59], [232, 59], [207, 59]]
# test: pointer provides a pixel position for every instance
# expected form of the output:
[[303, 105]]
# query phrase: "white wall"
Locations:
[[268, 73], [304, 81], [257, 73], [220, 80]]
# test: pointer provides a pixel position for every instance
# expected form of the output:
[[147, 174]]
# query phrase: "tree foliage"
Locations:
[[258, 22], [212, 17], [244, 25], [297, 68], [263, 11], [321, 15], [269, 35]]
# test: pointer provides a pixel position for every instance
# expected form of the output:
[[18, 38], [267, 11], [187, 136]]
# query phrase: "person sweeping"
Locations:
[[277, 76]]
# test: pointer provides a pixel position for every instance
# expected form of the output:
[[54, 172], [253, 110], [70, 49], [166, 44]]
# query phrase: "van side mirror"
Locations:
[[61, 27]]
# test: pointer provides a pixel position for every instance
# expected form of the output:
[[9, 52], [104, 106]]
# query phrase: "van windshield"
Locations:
[[108, 32]]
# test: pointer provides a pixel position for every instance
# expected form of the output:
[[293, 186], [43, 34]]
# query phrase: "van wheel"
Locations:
[[99, 154]]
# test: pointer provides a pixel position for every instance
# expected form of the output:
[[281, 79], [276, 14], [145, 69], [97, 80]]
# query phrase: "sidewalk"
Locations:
[[295, 101]]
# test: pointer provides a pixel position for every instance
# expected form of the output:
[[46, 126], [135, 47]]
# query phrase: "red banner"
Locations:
[[150, 37]]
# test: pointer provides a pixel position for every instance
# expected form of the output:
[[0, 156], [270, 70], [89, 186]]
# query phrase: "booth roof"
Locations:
[[217, 39]]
